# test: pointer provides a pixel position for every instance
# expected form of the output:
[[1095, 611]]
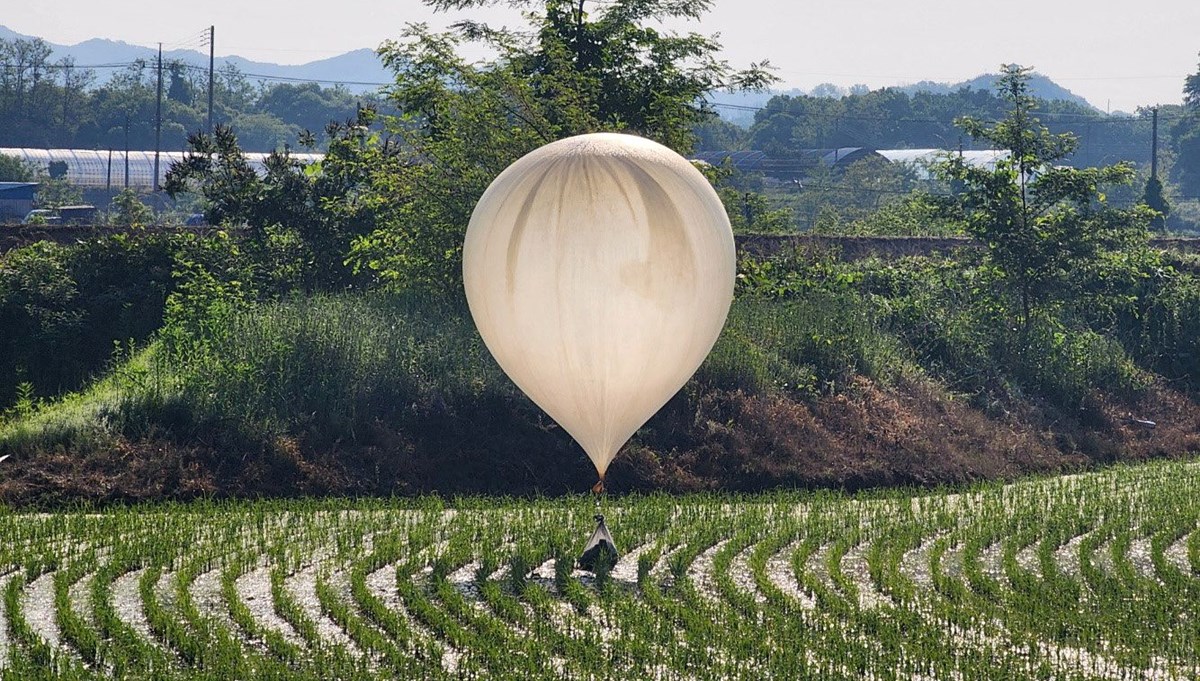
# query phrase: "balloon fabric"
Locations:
[[599, 270]]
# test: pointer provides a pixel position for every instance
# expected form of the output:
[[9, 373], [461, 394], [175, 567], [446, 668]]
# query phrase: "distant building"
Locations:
[[104, 169], [799, 164], [16, 200], [794, 166], [921, 160]]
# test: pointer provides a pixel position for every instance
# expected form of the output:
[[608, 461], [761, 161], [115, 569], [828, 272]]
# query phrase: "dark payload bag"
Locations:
[[600, 544]]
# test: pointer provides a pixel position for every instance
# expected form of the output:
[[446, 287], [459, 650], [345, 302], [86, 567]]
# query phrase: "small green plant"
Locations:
[[27, 400], [127, 210]]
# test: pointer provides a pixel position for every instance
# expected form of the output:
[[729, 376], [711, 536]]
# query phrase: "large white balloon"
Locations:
[[599, 270]]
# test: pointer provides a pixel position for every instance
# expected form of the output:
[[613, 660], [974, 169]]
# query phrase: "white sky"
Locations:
[[1117, 54]]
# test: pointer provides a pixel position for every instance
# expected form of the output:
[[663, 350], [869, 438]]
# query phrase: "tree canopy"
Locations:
[[55, 104], [580, 67], [1049, 231]]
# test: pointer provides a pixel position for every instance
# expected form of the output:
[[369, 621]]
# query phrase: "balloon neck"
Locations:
[[598, 488]]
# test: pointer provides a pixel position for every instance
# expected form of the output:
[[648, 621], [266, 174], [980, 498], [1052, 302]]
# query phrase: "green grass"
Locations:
[[972, 583], [329, 367]]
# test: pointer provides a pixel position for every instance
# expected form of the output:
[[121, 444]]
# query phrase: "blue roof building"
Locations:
[[16, 200]]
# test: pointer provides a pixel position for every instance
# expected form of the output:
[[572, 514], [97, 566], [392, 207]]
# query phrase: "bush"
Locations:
[[800, 325], [1068, 367], [329, 366], [128, 210], [1165, 335], [62, 308]]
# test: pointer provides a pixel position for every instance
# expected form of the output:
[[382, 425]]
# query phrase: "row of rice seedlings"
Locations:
[[78, 629], [240, 613], [1030, 622], [1052, 581]]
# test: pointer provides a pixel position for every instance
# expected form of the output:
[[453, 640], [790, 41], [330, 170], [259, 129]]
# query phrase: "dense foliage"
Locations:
[[55, 104], [1186, 139], [1049, 233], [62, 309], [13, 169], [889, 118]]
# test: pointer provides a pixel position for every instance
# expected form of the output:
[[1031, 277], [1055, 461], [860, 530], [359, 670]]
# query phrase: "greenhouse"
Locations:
[[106, 169], [921, 160]]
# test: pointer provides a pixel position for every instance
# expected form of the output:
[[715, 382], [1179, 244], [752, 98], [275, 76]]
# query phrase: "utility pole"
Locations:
[[211, 51], [1154, 145], [127, 151], [158, 119], [1087, 145], [66, 91]]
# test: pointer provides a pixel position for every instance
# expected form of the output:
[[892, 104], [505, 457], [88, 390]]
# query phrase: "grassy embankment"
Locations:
[[828, 374]]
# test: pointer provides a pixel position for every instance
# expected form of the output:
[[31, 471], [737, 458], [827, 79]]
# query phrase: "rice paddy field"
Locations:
[[1091, 576]]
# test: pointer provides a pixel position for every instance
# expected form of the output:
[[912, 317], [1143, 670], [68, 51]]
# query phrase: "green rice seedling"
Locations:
[[1080, 577]]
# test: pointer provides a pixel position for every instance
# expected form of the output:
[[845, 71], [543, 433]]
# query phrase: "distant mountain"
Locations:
[[1039, 86], [360, 70], [739, 107]]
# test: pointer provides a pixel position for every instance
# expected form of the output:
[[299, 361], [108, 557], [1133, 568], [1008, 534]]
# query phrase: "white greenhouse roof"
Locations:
[[922, 159], [103, 168]]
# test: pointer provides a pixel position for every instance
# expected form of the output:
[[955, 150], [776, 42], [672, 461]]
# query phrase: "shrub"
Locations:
[[63, 307], [128, 210], [1165, 335], [329, 365]]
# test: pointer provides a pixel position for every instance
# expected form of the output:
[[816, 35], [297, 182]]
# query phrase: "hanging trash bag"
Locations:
[[600, 544]]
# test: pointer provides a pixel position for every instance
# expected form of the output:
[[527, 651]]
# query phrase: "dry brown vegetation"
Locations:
[[864, 436]]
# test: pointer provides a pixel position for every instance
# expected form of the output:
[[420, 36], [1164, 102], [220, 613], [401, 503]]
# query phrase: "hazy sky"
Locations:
[[1116, 54]]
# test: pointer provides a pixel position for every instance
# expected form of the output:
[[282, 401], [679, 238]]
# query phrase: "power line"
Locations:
[[111, 65], [1082, 117], [295, 79], [194, 41]]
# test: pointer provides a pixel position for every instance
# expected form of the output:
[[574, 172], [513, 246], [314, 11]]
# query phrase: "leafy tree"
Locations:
[[1187, 158], [40, 100], [231, 90], [263, 131], [1050, 235], [581, 67], [52, 193], [13, 169], [313, 208], [1157, 201], [179, 88], [129, 211], [308, 106], [717, 134], [1187, 139], [827, 91], [1191, 90]]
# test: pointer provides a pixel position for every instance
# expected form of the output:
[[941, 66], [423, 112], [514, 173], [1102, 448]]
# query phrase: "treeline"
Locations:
[[47, 103], [892, 119]]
